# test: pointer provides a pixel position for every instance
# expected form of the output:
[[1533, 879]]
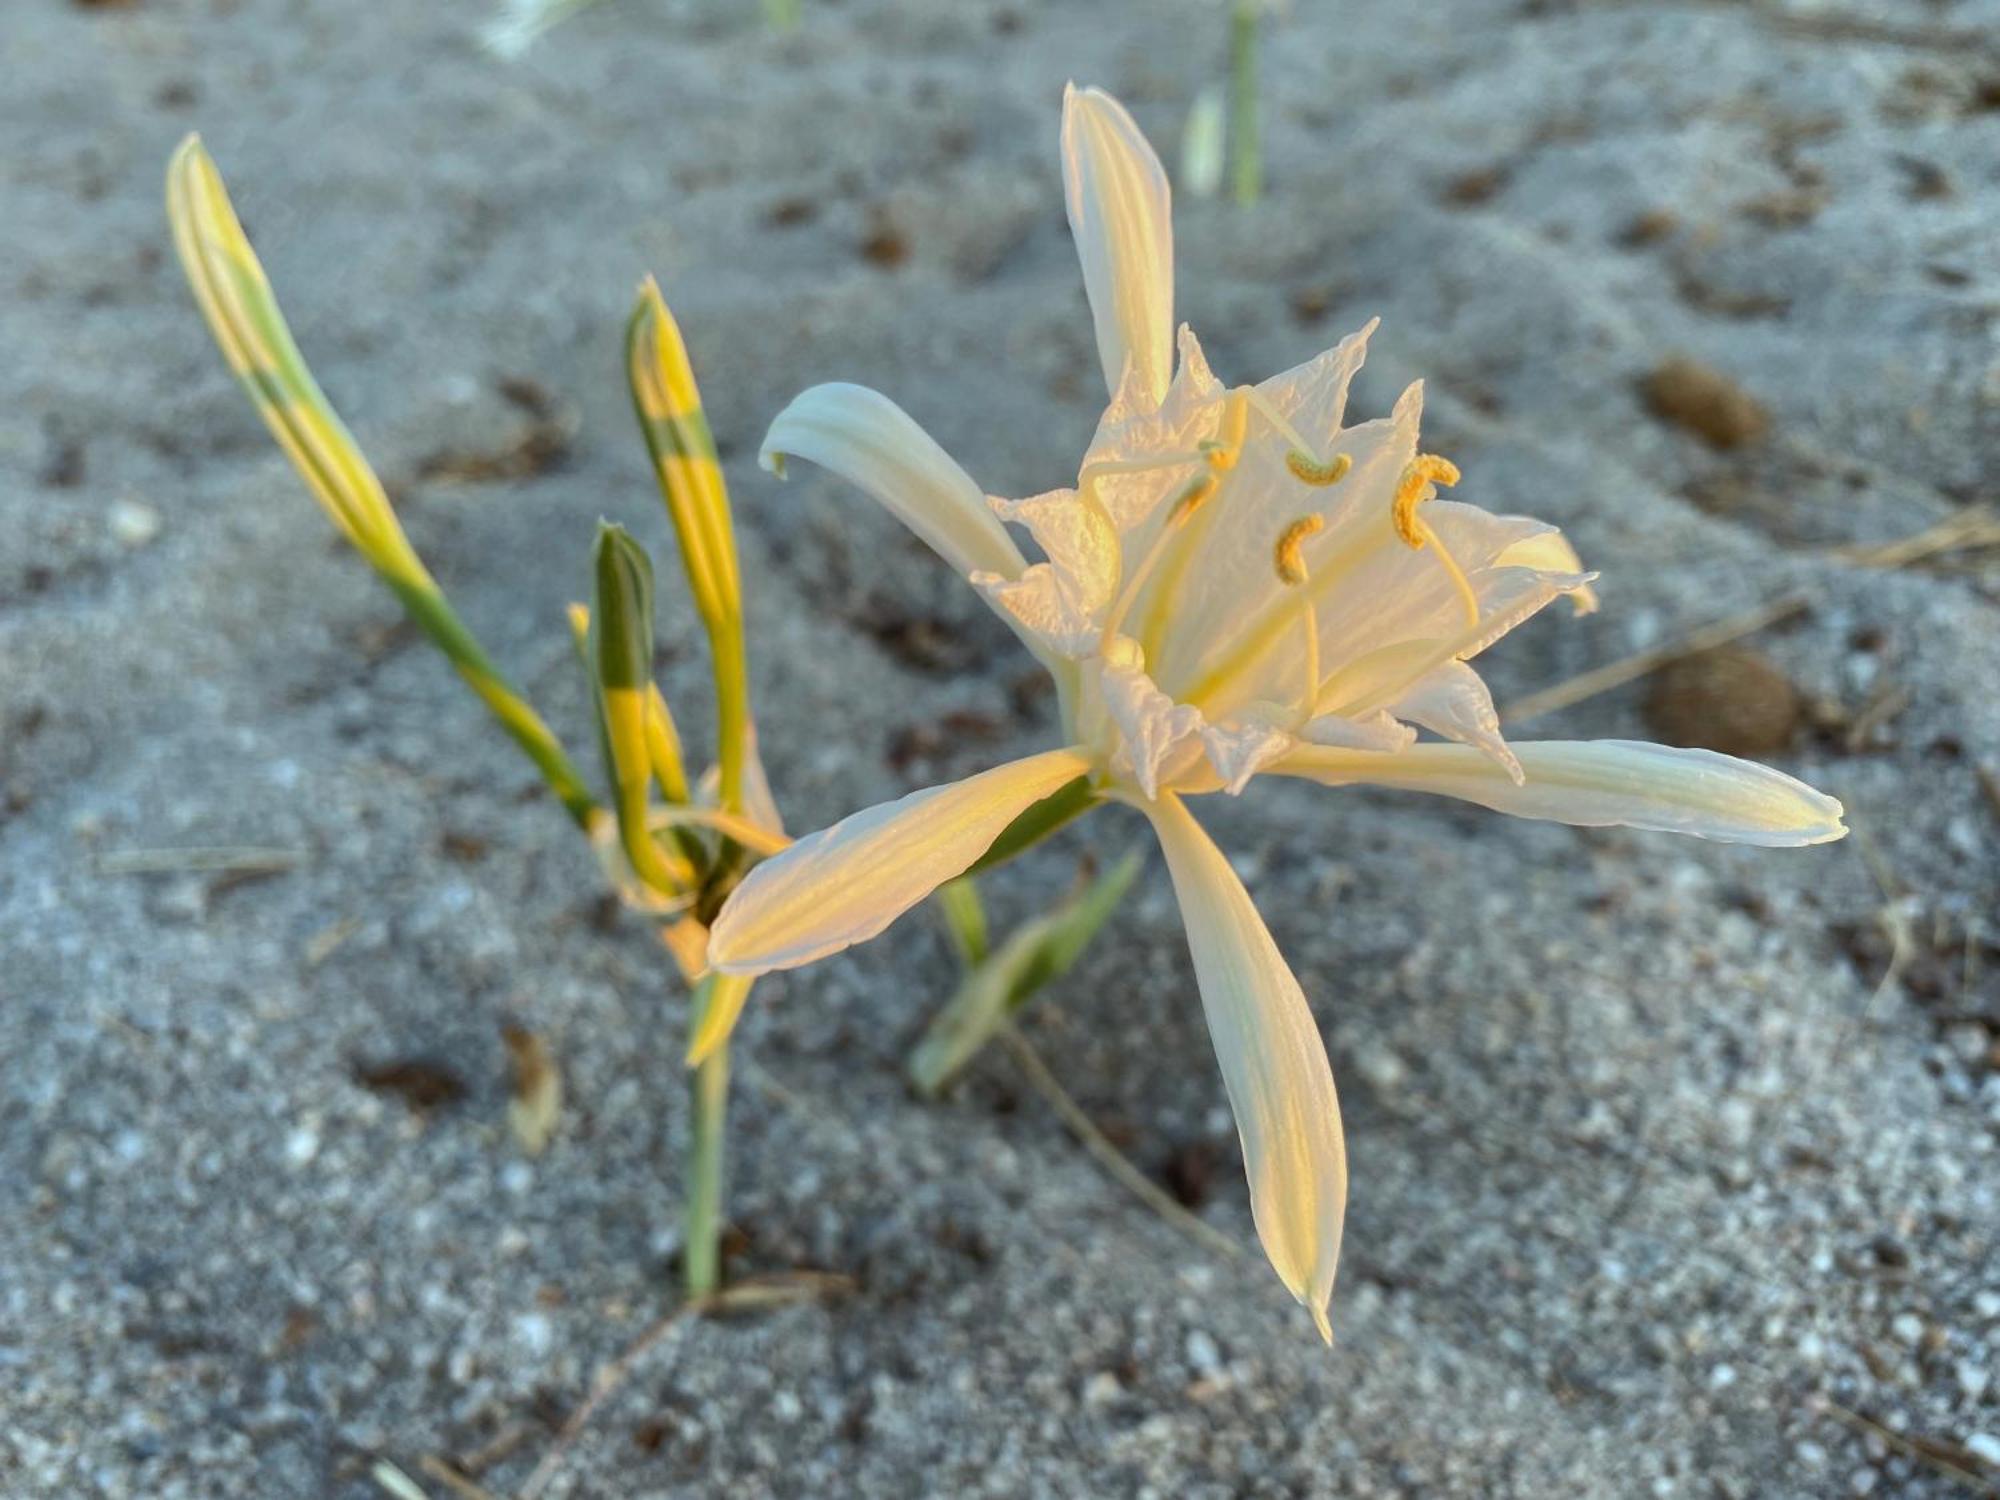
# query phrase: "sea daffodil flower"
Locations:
[[1237, 583]]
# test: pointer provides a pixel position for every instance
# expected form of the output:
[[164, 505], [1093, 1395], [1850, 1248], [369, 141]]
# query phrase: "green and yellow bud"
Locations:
[[668, 405], [621, 658], [243, 315]]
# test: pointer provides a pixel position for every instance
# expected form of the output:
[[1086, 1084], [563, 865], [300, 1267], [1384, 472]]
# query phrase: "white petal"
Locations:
[[1550, 552], [1377, 731], [1077, 539], [1452, 700], [1152, 726], [846, 883], [1313, 396], [1242, 747], [1273, 1063], [1043, 609], [872, 443], [1602, 783], [1120, 211]]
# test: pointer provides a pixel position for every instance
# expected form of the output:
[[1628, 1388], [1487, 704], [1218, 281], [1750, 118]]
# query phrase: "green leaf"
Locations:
[[1036, 953]]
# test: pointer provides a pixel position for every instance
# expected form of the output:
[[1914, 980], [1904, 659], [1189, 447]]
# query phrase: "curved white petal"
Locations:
[[1241, 747], [1121, 213], [1452, 700], [1077, 538], [1061, 601], [1273, 1063], [846, 883], [1376, 731], [1550, 552], [874, 444], [1151, 725], [1313, 396], [1602, 783]]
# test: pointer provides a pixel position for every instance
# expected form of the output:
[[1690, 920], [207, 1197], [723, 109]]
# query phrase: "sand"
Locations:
[[1673, 1165]]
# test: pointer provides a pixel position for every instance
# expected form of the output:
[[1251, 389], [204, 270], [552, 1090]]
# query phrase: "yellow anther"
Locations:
[[1197, 494], [1309, 470], [1290, 553], [1230, 432], [1423, 470]]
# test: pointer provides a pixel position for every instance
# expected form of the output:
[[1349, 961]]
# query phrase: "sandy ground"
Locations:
[[1644, 1203]]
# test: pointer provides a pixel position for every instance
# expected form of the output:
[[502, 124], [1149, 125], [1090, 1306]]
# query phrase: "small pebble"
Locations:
[[301, 1146], [1705, 402], [1984, 1446], [1973, 1379], [1202, 1354], [133, 523]]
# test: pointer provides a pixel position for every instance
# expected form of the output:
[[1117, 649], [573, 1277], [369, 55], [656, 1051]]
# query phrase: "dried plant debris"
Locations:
[[538, 445], [1705, 402], [537, 1091], [423, 1083]]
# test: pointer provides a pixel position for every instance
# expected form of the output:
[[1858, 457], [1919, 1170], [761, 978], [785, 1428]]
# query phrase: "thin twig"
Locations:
[[1976, 527], [228, 859], [448, 1475], [1618, 673], [1884, 706], [798, 1286], [1109, 1156], [1924, 1450], [1989, 786], [502, 1443]]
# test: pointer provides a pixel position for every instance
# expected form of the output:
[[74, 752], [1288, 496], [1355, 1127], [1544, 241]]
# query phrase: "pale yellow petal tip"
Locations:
[[1322, 1323]]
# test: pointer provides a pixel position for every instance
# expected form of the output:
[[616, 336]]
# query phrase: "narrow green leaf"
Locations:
[[1036, 953], [964, 918]]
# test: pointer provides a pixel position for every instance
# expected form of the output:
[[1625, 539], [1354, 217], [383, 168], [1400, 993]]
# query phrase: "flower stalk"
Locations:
[[1246, 152]]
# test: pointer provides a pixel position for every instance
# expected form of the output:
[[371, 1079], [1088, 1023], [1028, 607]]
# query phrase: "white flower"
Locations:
[[1237, 583]]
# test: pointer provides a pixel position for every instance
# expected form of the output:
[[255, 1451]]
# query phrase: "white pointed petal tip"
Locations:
[[1604, 783], [875, 445], [846, 883], [1121, 214], [1273, 1064]]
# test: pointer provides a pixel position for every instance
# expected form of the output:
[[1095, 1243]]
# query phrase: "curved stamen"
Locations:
[[1418, 484], [1289, 556], [1226, 446], [1308, 470], [1420, 474], [1290, 560]]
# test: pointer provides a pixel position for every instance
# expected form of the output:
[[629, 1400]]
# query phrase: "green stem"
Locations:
[[1246, 161], [427, 607], [708, 1101]]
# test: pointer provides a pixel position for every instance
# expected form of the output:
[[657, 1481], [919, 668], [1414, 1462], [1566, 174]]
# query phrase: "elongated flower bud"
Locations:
[[668, 405], [243, 315], [621, 655]]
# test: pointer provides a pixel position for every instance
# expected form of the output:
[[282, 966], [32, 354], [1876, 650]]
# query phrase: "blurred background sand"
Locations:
[[1649, 1198]]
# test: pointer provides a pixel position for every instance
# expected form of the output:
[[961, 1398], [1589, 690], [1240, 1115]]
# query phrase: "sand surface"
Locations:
[[1648, 1199]]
